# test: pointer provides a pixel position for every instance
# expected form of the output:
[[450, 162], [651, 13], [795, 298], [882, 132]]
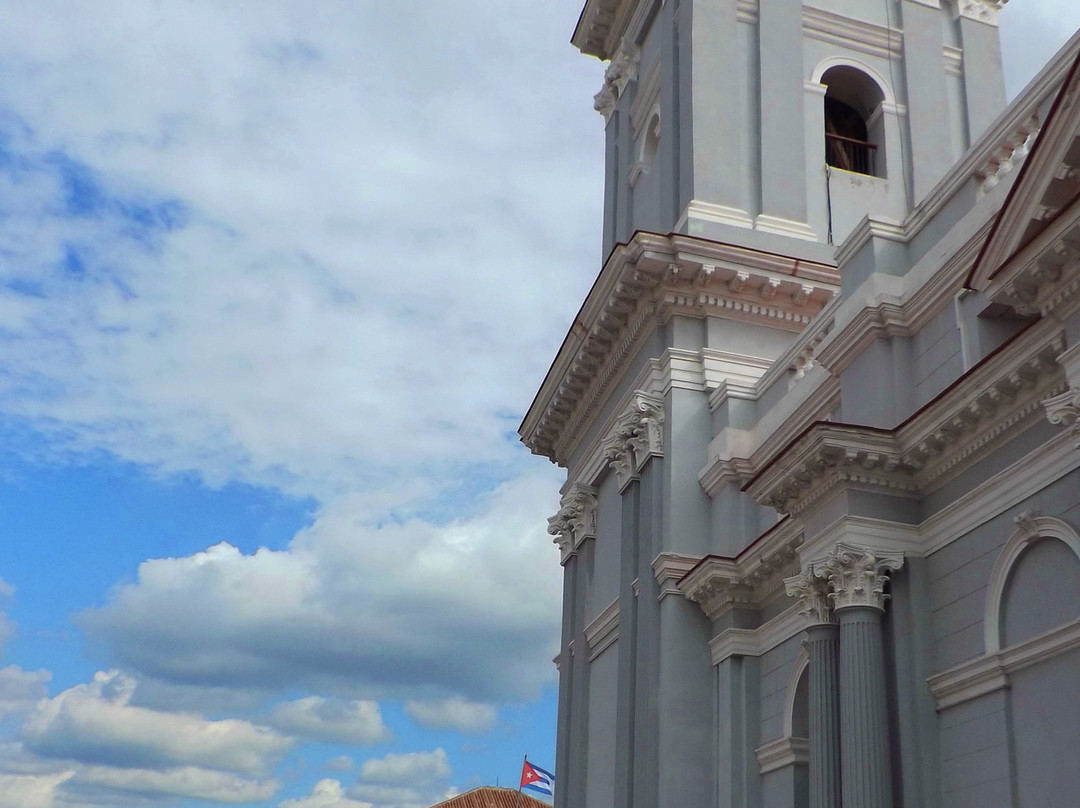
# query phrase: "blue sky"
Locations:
[[277, 283]]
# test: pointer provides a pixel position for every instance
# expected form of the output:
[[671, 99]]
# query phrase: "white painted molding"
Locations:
[[848, 61], [798, 670], [1030, 528], [719, 584], [856, 35], [784, 227], [782, 752], [988, 673], [756, 641], [669, 569], [603, 631]]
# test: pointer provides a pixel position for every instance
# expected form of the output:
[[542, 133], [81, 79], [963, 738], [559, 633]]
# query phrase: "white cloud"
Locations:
[[327, 307], [410, 768], [455, 713], [335, 720], [185, 781], [31, 790], [365, 612], [326, 794], [383, 796], [95, 724], [20, 689]]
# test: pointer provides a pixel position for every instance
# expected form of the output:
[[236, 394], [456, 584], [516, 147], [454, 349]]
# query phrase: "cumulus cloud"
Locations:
[[95, 724], [20, 689], [230, 207], [406, 769], [185, 781], [454, 713], [341, 763], [326, 794], [363, 611], [31, 790], [335, 720]]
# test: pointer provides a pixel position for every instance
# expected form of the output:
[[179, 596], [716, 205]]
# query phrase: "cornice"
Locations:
[[857, 35], [1002, 395], [1044, 276], [782, 752], [719, 584], [990, 672], [645, 283], [828, 455], [604, 23], [754, 642], [669, 569]]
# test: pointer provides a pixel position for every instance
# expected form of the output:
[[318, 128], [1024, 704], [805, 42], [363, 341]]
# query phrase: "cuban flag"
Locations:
[[536, 779]]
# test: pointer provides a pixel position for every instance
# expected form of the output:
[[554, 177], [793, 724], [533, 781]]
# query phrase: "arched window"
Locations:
[[854, 132]]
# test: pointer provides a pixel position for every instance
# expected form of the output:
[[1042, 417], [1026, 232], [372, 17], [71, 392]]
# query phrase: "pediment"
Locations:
[[1044, 199]]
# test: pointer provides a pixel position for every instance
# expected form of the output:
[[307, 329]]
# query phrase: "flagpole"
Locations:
[[517, 799]]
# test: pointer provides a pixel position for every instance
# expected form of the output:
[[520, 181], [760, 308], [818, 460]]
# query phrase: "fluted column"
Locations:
[[857, 577], [823, 642]]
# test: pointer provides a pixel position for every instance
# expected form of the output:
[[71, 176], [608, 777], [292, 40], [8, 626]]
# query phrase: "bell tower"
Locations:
[[777, 124]]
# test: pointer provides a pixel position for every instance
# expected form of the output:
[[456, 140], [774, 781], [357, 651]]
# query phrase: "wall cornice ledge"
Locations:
[[669, 568], [643, 284], [757, 641], [719, 584], [990, 672], [782, 752]]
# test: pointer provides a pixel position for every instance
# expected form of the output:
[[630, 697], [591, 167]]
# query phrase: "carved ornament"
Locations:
[[637, 436], [812, 591], [857, 576], [576, 519]]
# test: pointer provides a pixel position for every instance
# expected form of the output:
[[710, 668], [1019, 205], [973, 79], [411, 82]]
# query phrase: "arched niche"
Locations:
[[1036, 580], [797, 699]]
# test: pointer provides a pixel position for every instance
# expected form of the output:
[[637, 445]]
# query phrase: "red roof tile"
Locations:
[[491, 797]]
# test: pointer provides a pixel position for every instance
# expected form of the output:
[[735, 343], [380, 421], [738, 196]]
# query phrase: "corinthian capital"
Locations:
[[857, 576], [637, 436], [576, 519], [812, 590]]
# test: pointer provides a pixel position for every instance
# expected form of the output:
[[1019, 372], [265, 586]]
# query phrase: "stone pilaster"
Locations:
[[857, 578], [823, 642]]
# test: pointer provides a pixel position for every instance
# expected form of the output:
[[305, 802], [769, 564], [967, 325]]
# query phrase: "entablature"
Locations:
[[719, 584], [1004, 394], [644, 284]]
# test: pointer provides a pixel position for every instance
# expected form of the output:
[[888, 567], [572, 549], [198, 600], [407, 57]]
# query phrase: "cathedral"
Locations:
[[820, 531]]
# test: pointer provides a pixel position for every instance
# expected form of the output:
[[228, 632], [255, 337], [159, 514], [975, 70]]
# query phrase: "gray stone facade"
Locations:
[[820, 416]]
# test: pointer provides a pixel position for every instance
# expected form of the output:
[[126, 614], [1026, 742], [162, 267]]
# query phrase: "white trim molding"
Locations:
[[782, 752], [1030, 527], [755, 642], [990, 672], [798, 670]]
